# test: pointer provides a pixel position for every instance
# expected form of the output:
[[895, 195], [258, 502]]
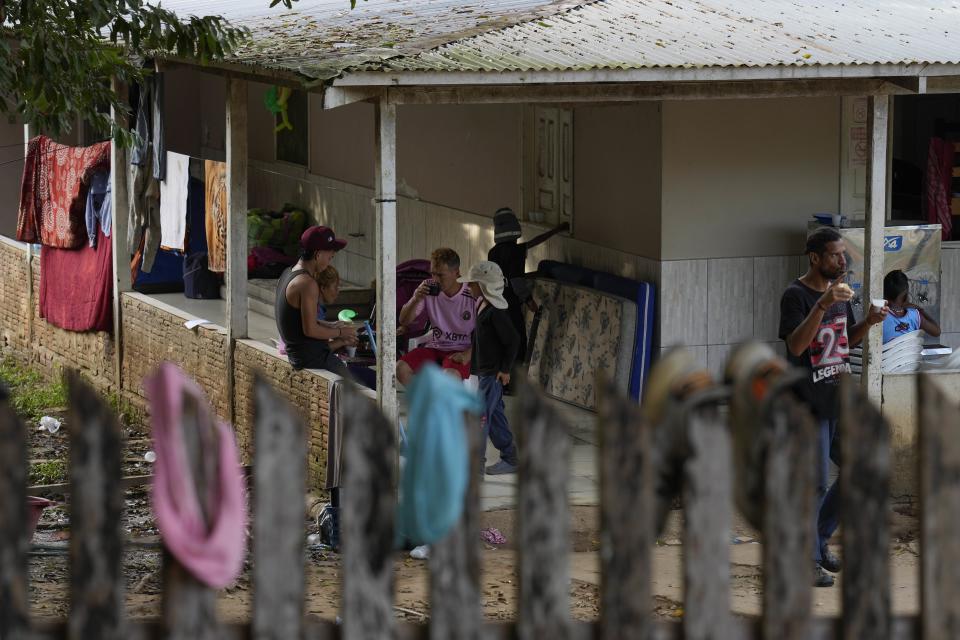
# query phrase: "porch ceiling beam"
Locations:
[[660, 74], [633, 92], [239, 71], [334, 97]]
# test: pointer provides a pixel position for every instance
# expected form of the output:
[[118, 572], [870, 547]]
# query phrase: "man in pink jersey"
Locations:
[[452, 311]]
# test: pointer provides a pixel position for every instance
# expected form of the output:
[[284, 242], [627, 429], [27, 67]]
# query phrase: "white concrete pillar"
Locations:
[[876, 214], [236, 143], [386, 202], [120, 212]]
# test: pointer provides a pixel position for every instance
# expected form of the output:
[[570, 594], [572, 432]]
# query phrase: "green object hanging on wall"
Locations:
[[275, 100]]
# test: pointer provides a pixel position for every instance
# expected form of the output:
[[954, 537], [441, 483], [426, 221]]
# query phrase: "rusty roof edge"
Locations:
[[373, 78]]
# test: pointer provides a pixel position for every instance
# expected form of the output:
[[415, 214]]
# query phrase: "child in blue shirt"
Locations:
[[904, 317]]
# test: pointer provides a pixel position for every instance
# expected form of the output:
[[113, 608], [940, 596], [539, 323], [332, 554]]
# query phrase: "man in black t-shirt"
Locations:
[[818, 327]]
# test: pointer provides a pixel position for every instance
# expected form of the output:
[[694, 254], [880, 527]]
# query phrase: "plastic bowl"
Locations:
[[35, 507], [824, 218]]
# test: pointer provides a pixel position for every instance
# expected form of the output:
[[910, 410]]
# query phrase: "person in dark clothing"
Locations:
[[495, 346], [511, 257], [818, 327], [311, 344]]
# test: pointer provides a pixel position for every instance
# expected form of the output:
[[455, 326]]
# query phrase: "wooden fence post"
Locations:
[[864, 502], [939, 473], [279, 485], [96, 505], [543, 522], [189, 606], [626, 524], [788, 513], [14, 603], [455, 611], [369, 501], [707, 505]]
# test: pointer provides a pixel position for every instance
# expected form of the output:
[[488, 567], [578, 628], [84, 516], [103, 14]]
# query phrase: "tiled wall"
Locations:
[[711, 305], [421, 226], [950, 296]]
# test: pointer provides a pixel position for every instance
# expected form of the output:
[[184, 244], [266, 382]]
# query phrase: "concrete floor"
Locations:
[[259, 326], [499, 492]]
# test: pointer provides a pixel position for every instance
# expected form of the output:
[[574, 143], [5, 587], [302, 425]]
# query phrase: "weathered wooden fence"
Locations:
[[681, 445]]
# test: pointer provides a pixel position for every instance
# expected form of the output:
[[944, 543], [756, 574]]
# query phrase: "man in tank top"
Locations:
[[311, 343]]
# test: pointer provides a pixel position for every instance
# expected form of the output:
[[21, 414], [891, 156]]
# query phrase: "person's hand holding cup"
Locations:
[[347, 332], [878, 311]]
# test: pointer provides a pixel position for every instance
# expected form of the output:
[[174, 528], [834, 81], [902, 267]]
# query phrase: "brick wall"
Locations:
[[14, 297], [26, 335], [308, 391], [153, 332]]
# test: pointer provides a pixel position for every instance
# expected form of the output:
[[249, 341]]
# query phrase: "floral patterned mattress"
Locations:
[[579, 332]]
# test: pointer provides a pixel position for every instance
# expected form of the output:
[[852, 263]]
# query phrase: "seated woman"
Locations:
[[904, 317]]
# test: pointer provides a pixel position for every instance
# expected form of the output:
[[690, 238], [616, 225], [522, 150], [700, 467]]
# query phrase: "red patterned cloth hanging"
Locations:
[[938, 181], [53, 193]]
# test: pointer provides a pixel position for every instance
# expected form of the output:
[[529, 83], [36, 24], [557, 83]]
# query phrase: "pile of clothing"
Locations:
[[273, 238]]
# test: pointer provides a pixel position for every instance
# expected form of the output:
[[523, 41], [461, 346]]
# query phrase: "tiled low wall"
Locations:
[[714, 304]]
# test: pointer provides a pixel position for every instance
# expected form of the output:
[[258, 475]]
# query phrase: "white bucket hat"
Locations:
[[490, 278]]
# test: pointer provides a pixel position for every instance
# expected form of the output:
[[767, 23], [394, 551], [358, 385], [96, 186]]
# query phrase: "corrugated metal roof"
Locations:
[[639, 34], [320, 38]]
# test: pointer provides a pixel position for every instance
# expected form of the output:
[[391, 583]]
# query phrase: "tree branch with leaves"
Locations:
[[58, 56]]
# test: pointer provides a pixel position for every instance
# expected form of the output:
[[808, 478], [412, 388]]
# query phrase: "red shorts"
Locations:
[[422, 355]]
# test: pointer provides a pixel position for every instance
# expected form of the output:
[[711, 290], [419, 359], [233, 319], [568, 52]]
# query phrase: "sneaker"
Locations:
[[829, 560], [501, 468], [820, 577]]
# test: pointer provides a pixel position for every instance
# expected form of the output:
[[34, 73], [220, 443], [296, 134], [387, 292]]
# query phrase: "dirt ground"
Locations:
[[49, 573], [49, 565]]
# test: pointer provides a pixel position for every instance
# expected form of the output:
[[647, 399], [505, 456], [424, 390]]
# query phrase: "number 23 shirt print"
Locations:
[[828, 355]]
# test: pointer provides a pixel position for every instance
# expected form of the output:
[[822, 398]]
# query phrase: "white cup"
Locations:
[[836, 219], [351, 352], [878, 303]]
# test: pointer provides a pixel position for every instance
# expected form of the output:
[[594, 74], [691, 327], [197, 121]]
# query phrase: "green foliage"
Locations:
[[32, 395], [48, 472], [58, 56]]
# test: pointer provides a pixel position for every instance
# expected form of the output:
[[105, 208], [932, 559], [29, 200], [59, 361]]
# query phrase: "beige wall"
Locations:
[[260, 124], [463, 157], [765, 165], [617, 177], [342, 142]]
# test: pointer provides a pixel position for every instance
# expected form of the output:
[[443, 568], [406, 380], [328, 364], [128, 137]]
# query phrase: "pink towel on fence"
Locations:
[[213, 556]]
